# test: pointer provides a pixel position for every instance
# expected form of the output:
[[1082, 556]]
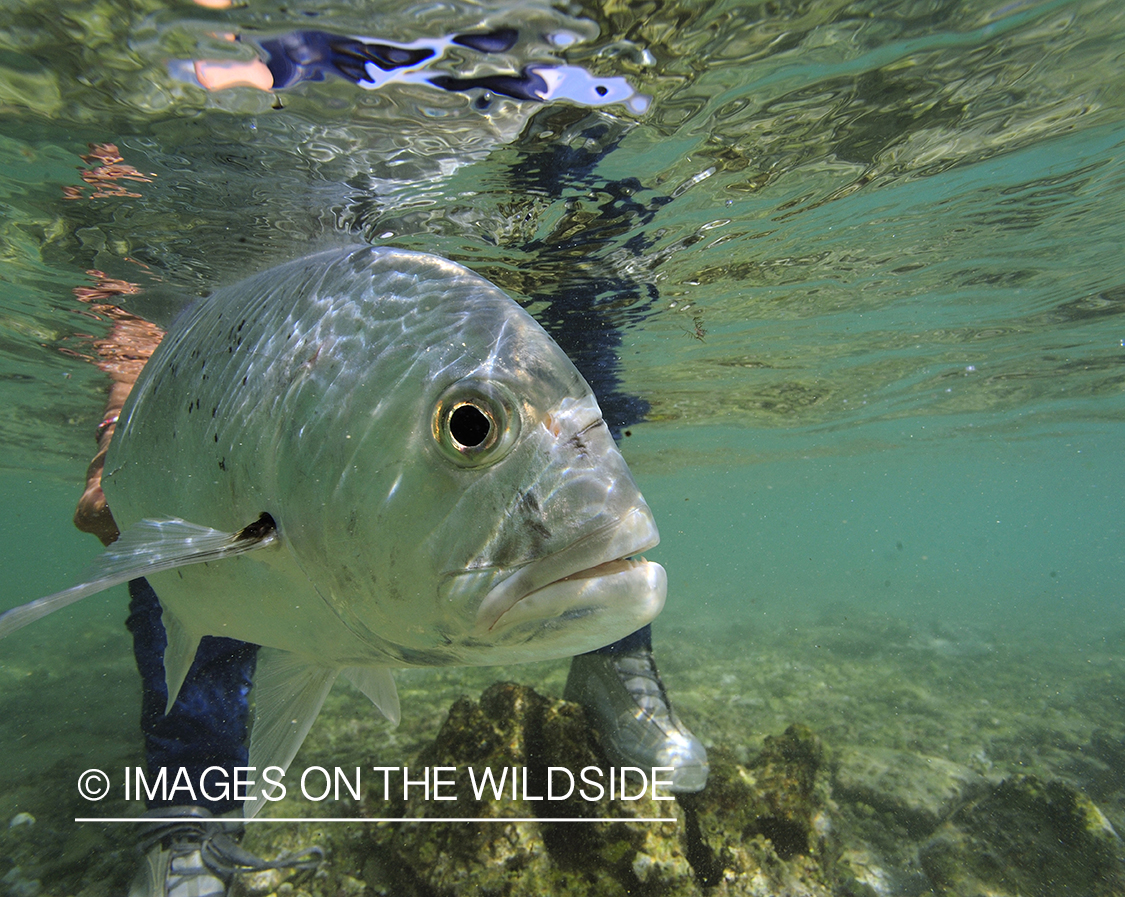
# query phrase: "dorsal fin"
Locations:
[[147, 547]]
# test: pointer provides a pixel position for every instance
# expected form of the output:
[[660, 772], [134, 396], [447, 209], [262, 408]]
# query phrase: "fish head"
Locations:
[[551, 568], [483, 513]]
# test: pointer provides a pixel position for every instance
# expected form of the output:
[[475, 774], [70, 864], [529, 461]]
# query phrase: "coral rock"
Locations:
[[1029, 838], [919, 792], [752, 831]]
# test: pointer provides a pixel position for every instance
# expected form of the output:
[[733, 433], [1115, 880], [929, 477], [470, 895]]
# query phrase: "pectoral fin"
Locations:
[[288, 694], [147, 547]]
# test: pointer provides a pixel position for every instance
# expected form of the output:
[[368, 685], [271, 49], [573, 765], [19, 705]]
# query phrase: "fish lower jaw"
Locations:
[[623, 588]]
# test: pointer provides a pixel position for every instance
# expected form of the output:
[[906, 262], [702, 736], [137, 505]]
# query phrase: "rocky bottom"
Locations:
[[790, 821], [923, 763]]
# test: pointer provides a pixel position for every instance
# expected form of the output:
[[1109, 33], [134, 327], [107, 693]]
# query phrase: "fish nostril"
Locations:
[[600, 422], [579, 441]]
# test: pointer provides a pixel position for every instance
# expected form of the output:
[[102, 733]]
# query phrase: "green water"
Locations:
[[1000, 536], [879, 315]]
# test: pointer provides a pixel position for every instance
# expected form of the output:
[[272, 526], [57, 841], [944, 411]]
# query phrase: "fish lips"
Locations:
[[596, 573]]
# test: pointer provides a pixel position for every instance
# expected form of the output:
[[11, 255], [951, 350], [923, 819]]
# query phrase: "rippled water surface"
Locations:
[[865, 258]]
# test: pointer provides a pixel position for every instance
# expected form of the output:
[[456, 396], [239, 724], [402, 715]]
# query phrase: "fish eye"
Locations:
[[475, 423], [470, 426]]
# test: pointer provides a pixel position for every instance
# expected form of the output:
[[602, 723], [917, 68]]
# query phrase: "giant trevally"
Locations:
[[365, 459]]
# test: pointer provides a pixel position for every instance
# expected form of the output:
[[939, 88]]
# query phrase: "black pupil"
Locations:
[[469, 426]]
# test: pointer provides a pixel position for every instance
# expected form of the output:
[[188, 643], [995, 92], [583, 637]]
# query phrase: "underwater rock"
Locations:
[[1102, 763], [755, 829], [1026, 838], [863, 874], [516, 732], [917, 791], [761, 829], [16, 885]]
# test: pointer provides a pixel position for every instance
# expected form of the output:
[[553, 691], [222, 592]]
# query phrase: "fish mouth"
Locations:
[[597, 570]]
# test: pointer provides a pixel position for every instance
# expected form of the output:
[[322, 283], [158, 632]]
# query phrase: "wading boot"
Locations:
[[629, 706], [190, 853]]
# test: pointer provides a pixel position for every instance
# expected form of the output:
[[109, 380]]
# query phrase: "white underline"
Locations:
[[376, 819]]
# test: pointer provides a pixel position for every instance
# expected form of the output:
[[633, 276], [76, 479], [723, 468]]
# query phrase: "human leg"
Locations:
[[208, 724], [620, 685], [188, 851]]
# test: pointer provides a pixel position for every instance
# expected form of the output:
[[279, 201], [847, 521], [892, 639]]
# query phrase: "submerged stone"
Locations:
[[1026, 838], [755, 830], [761, 828], [518, 736], [788, 821], [917, 791]]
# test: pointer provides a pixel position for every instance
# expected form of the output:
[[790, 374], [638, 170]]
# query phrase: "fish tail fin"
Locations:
[[147, 547], [288, 694]]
